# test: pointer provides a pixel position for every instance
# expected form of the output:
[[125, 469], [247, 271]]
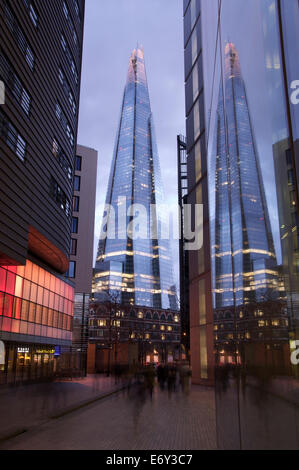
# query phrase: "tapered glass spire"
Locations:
[[138, 269], [243, 252]]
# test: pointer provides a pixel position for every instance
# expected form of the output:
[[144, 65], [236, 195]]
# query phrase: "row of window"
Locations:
[[32, 12], [62, 159], [12, 81], [65, 124], [71, 24], [11, 282], [67, 90], [70, 59], [77, 10], [21, 309], [19, 36], [12, 137], [59, 196]]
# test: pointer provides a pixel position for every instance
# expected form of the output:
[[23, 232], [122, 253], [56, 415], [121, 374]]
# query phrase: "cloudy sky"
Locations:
[[112, 29]]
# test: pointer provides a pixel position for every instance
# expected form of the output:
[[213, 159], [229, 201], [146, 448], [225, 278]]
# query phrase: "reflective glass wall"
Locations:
[[35, 304], [249, 62]]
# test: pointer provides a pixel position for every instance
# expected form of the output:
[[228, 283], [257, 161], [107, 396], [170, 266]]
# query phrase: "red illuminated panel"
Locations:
[[10, 283], [28, 270], [47, 280], [41, 277], [2, 295], [19, 287], [35, 270], [2, 279], [8, 305], [18, 303], [52, 283], [21, 271]]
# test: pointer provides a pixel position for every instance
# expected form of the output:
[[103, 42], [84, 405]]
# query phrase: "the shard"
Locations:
[[244, 258], [137, 270]]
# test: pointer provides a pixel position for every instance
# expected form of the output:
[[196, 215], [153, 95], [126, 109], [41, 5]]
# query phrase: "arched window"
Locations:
[[163, 317], [156, 316]]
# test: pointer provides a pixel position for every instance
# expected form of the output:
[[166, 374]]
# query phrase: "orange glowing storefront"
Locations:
[[36, 317]]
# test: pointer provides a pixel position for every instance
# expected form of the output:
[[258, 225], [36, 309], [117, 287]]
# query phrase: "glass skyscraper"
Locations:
[[137, 269], [243, 255], [247, 148]]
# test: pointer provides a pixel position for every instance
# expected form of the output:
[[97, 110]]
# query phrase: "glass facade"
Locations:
[[36, 305], [249, 62], [138, 269]]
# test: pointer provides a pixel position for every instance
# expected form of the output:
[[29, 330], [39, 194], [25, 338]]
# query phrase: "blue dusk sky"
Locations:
[[112, 29]]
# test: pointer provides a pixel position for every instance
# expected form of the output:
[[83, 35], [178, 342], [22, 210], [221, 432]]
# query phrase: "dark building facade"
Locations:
[[133, 335], [250, 119], [40, 66], [200, 295], [82, 246], [184, 255]]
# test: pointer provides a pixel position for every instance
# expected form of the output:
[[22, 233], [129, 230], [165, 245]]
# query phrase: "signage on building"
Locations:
[[22, 350], [45, 351], [57, 351]]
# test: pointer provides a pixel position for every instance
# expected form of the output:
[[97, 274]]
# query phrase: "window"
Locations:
[[19, 36], [32, 12], [74, 243], [62, 159], [75, 223], [12, 138], [77, 183], [59, 196], [70, 59], [76, 203], [70, 23], [72, 270], [12, 81], [65, 124], [78, 163], [67, 90], [77, 10]]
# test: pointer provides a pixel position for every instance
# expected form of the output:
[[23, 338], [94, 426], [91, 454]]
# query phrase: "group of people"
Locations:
[[170, 377]]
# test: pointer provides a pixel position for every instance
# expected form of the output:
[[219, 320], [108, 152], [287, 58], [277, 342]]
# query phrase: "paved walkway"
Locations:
[[131, 421], [30, 405]]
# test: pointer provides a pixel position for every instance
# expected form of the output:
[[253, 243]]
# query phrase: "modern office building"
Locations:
[[250, 123], [184, 254], [82, 245], [134, 265], [40, 66], [141, 263], [200, 296]]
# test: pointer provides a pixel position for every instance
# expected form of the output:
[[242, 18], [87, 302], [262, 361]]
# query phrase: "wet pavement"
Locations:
[[22, 407], [140, 418]]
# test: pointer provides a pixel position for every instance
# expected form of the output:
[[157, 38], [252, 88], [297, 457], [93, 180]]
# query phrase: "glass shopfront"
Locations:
[[26, 362], [249, 56]]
